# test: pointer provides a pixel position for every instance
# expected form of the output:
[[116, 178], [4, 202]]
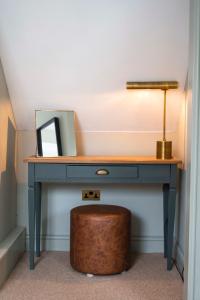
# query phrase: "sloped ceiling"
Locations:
[[78, 55]]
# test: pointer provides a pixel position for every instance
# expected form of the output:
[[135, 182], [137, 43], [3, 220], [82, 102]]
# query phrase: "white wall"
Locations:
[[78, 55]]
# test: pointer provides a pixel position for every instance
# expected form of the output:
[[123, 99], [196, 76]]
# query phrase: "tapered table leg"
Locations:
[[171, 216], [31, 209], [38, 216], [165, 216]]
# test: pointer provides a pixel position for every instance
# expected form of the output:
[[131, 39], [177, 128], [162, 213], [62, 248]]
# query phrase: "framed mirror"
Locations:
[[55, 133]]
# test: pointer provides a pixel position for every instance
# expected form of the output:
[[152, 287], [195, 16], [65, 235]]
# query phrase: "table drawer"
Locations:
[[100, 171], [50, 172]]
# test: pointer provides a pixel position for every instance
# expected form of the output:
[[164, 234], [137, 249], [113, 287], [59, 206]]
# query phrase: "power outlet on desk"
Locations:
[[90, 195]]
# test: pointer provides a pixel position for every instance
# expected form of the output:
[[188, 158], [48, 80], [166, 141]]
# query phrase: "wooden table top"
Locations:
[[102, 159]]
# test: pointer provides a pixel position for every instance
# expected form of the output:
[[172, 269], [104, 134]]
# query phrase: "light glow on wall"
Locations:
[[135, 111]]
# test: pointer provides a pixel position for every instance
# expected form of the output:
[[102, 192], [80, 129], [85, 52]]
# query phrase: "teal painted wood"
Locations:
[[50, 172], [38, 217], [165, 174], [171, 214], [165, 216], [31, 210], [117, 173], [155, 172], [112, 172]]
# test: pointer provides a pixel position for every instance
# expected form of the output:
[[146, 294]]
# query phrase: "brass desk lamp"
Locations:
[[164, 147]]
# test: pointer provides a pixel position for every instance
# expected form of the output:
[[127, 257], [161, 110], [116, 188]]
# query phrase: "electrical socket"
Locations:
[[90, 195]]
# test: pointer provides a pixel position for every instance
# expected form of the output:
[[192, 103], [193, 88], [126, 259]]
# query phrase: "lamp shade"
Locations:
[[156, 85]]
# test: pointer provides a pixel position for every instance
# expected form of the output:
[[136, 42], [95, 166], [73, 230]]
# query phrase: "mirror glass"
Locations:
[[55, 133]]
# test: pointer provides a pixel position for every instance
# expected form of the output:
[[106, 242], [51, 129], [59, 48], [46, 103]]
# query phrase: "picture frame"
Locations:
[[49, 139]]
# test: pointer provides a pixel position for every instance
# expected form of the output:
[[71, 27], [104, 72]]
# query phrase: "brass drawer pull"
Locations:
[[102, 172]]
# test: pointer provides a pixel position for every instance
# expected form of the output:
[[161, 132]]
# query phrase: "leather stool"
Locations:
[[100, 239]]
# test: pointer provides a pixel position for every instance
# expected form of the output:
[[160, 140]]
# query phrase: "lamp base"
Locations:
[[164, 150]]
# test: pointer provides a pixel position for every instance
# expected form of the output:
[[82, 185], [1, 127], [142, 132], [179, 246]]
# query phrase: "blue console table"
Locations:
[[101, 169]]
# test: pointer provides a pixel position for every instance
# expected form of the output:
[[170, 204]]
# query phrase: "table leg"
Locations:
[[31, 209], [171, 216], [165, 216], [38, 217]]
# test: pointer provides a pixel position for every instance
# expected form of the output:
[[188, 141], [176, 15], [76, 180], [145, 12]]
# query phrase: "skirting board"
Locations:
[[10, 251], [143, 244]]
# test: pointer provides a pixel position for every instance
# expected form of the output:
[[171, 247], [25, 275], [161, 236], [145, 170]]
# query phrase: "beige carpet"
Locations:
[[53, 278]]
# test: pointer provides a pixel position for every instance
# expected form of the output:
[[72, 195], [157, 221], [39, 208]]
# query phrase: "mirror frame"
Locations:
[[54, 121], [54, 110]]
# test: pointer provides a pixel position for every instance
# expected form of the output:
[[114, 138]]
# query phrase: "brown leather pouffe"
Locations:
[[100, 239]]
